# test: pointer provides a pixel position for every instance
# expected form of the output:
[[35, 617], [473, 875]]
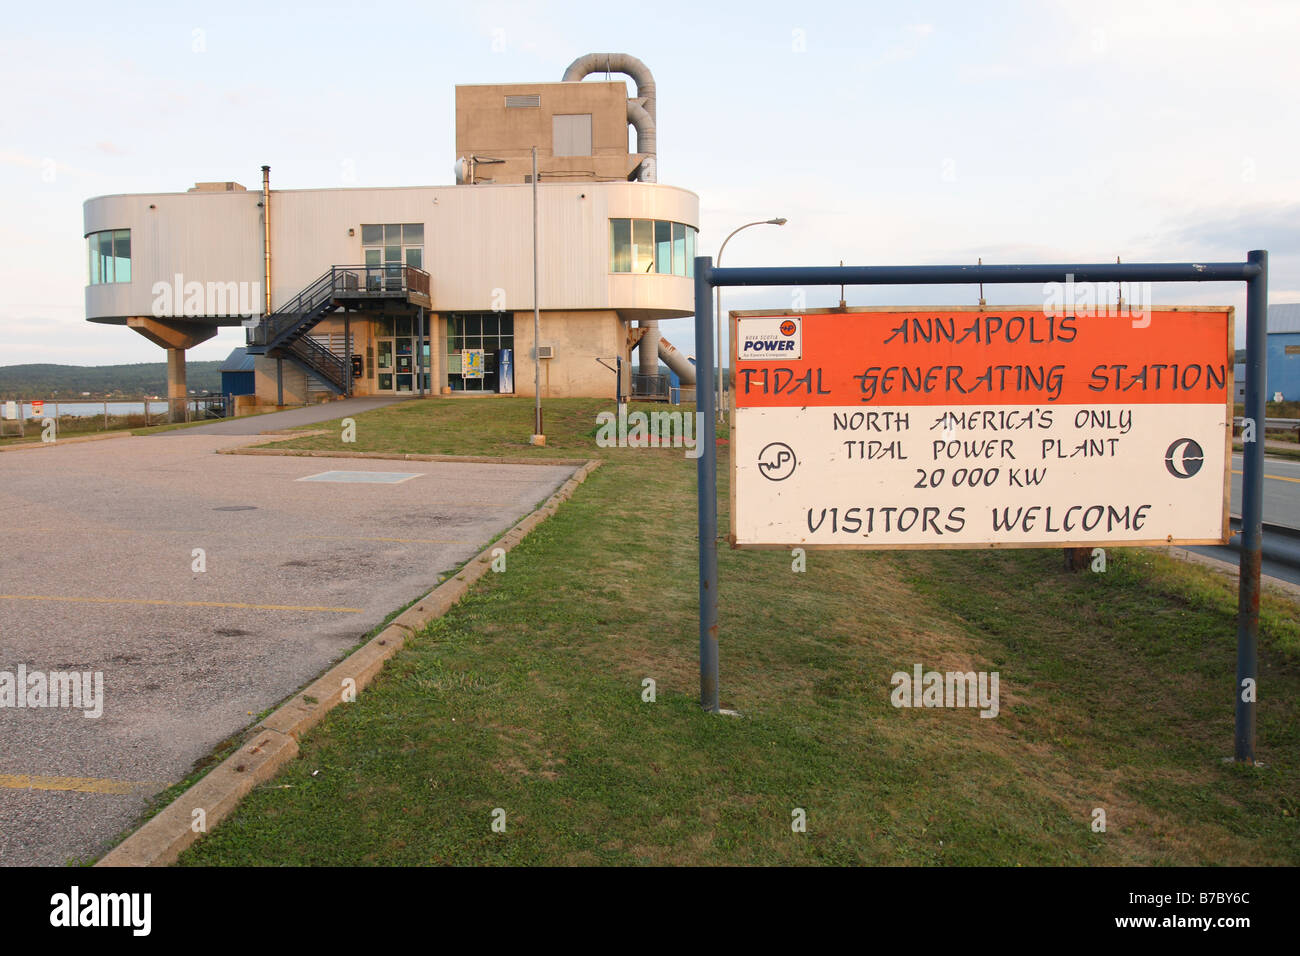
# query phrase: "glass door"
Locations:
[[385, 364], [405, 364], [396, 344]]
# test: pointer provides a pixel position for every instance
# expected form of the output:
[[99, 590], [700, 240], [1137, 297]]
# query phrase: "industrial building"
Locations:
[[429, 289], [1283, 354]]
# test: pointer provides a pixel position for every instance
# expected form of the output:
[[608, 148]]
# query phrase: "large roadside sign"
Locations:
[[980, 427]]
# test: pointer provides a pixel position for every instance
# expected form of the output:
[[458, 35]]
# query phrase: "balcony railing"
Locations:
[[388, 279]]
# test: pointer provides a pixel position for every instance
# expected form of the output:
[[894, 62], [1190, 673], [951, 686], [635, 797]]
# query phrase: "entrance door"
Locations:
[[405, 363], [396, 344], [385, 365]]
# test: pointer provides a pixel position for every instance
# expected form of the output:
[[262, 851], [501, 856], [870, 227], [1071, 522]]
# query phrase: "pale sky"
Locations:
[[887, 133]]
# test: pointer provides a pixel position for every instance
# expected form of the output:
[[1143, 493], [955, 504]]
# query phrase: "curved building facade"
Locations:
[[429, 289]]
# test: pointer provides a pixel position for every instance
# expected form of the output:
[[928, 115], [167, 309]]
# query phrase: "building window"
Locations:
[[388, 246], [109, 256], [664, 247], [620, 245], [489, 331], [649, 246], [571, 134]]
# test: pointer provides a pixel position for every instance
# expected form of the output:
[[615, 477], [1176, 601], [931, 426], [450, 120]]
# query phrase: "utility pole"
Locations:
[[539, 437]]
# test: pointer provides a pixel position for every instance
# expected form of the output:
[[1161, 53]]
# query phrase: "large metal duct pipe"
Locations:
[[640, 110], [677, 361], [642, 116], [648, 356], [644, 124]]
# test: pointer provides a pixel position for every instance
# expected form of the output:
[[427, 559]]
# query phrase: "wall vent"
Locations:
[[523, 101], [546, 351]]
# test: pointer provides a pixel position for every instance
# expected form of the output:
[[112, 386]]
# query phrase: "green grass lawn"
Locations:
[[1116, 693]]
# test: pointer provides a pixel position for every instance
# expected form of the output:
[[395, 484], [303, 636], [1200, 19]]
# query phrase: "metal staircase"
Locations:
[[283, 333]]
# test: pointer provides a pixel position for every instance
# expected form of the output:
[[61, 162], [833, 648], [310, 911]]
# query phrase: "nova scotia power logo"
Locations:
[[769, 338]]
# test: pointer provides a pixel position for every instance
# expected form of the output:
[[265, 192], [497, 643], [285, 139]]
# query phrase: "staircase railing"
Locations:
[[303, 309], [306, 308], [330, 368]]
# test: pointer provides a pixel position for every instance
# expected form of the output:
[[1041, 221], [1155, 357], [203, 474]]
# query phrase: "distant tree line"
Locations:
[[102, 381]]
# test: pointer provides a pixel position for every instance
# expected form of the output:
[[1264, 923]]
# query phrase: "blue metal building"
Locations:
[[1284, 351], [237, 374]]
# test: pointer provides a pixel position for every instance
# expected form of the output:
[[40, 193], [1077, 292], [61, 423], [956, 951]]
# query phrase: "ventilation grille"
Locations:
[[545, 351], [523, 100]]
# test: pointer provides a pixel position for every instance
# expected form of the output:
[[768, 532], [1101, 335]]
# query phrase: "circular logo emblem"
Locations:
[[788, 327], [1184, 458], [776, 462]]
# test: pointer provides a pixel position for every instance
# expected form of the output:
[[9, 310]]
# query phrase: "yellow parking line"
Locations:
[[1274, 477], [245, 607], [23, 781]]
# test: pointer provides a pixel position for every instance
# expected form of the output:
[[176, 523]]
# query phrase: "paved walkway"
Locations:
[[293, 418]]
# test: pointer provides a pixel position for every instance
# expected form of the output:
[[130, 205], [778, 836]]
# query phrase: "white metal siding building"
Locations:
[[475, 243]]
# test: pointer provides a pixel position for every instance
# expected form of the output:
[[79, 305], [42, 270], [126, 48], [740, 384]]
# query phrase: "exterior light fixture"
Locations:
[[717, 300]]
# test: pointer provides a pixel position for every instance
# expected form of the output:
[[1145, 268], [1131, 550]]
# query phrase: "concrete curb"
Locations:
[[275, 740], [161, 840], [396, 456], [75, 440]]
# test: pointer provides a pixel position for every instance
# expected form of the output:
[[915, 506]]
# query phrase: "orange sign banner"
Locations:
[[991, 356]]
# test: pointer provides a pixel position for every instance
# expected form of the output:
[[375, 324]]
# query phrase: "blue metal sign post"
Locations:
[[1253, 272]]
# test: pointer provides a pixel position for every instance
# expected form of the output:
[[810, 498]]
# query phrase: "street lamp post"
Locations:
[[717, 299], [539, 437]]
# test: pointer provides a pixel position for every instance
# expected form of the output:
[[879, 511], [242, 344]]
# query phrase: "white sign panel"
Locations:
[[958, 428]]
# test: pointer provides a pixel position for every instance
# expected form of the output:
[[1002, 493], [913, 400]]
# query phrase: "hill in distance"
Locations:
[[102, 381]]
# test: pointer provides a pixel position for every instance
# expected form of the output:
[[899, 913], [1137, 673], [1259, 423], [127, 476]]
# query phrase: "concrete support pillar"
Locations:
[[176, 391], [419, 351], [175, 335], [648, 358]]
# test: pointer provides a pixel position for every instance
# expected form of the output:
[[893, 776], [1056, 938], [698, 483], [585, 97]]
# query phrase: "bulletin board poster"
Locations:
[[471, 363]]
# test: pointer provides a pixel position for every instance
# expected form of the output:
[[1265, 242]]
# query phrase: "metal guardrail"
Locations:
[[1272, 422], [1272, 425], [1280, 543], [23, 414]]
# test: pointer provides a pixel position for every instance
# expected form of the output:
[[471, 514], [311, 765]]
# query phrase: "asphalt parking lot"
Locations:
[[97, 574]]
